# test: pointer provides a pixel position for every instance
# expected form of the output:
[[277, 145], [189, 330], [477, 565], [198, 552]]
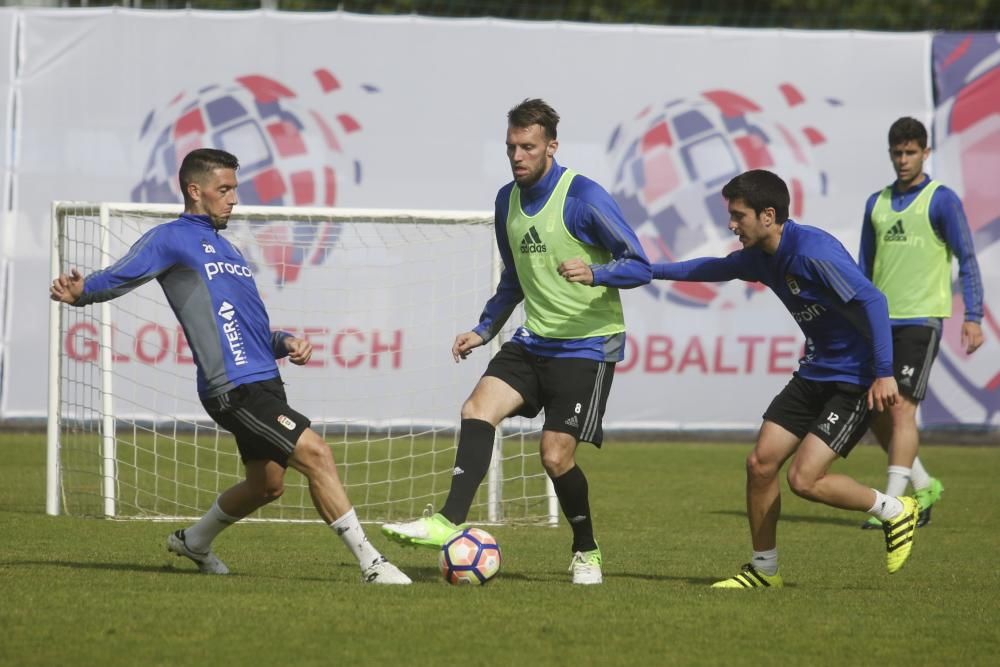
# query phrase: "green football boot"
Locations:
[[926, 499], [430, 531]]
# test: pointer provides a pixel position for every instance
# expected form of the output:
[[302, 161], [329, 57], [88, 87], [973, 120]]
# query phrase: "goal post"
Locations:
[[379, 293]]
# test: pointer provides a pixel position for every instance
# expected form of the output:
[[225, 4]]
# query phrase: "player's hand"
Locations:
[[972, 336], [576, 271], [67, 288], [465, 343], [883, 393], [299, 350]]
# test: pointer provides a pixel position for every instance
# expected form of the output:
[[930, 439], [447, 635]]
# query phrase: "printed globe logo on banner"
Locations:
[[671, 162], [291, 153], [967, 138]]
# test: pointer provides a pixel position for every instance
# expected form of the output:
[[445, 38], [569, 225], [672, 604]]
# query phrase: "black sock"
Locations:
[[475, 450], [573, 493]]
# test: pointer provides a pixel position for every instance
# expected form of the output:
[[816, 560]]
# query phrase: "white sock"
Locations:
[[766, 561], [899, 477], [349, 529], [919, 477], [199, 536], [885, 507]]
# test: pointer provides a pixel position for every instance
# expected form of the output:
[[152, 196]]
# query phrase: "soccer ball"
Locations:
[[471, 556]]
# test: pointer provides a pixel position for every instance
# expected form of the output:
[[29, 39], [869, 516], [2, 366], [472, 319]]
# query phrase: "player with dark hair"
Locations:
[[846, 371], [212, 292], [566, 252], [910, 231]]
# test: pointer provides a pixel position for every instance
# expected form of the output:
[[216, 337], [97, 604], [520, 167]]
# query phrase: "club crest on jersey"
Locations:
[[286, 422], [792, 285]]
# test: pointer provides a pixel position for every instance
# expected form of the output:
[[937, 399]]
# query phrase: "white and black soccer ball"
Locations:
[[470, 556]]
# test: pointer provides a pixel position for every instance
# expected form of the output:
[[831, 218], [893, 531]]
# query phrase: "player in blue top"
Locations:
[[845, 372], [566, 251], [213, 294], [910, 232]]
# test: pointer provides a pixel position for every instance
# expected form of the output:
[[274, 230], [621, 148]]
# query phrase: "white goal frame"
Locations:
[[107, 426]]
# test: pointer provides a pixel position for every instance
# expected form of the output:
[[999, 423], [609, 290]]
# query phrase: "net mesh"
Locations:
[[379, 294]]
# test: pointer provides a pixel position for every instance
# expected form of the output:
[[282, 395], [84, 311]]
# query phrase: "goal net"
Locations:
[[380, 294]]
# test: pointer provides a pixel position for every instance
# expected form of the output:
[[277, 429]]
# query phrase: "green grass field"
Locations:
[[670, 519]]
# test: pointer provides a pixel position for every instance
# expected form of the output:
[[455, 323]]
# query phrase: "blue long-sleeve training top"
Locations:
[[844, 317], [213, 294], [949, 223], [592, 216]]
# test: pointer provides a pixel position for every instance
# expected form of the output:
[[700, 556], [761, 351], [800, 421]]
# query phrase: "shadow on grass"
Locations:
[[432, 574], [801, 518], [705, 582], [129, 567], [166, 568], [562, 577], [417, 574]]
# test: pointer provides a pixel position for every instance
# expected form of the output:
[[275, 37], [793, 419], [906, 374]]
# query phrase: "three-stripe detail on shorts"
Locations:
[[264, 430], [593, 419], [925, 371], [859, 412]]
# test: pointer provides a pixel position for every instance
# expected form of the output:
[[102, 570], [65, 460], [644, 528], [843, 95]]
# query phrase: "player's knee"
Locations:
[[903, 411], [801, 483], [313, 453], [271, 492], [758, 468], [268, 488], [556, 463], [558, 452]]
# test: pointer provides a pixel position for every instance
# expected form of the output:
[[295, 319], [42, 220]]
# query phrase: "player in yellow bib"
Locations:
[[910, 233], [567, 251]]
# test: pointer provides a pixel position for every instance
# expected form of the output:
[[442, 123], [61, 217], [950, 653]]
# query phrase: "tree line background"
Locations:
[[884, 15]]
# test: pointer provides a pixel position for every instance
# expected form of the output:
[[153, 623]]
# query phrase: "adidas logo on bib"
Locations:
[[896, 233], [532, 242]]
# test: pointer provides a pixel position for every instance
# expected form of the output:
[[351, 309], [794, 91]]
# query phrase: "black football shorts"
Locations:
[[835, 412], [573, 392], [266, 428]]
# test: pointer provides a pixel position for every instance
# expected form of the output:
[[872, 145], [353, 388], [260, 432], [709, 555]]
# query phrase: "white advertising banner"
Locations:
[[8, 46], [404, 112]]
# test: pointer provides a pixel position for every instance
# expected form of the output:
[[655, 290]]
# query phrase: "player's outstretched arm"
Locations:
[[299, 350], [883, 393], [464, 344], [703, 269], [67, 288]]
